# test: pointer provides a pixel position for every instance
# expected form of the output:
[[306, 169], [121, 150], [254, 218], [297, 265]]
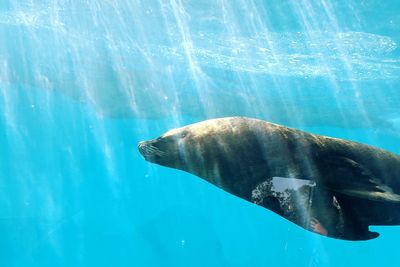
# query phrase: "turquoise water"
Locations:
[[82, 82]]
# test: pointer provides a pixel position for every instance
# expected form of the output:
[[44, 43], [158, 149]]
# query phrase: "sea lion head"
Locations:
[[221, 151], [185, 148], [168, 150]]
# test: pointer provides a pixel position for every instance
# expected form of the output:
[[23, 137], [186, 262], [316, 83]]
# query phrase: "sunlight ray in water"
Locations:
[[349, 69], [313, 53], [309, 16]]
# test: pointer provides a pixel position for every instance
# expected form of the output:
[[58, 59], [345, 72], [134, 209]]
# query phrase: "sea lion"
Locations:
[[355, 185]]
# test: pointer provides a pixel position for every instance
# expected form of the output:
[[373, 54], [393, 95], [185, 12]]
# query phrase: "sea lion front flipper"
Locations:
[[353, 179]]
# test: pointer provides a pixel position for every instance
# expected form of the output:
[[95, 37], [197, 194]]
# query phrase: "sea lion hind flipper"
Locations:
[[352, 225], [353, 179], [359, 235]]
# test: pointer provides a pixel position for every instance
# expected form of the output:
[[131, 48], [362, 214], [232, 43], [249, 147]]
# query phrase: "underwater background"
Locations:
[[82, 82]]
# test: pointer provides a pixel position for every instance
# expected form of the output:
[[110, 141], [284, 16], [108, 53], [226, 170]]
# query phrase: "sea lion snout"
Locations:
[[146, 149], [150, 151], [142, 146]]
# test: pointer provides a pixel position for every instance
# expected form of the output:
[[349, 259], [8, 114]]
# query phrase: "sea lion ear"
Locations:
[[353, 179]]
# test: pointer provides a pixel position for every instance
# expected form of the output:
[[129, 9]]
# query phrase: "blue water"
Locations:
[[82, 82]]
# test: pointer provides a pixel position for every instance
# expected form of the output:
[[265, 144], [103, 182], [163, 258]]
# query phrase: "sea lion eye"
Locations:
[[183, 135]]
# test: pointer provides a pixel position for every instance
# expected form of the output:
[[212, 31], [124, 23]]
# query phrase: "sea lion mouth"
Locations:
[[150, 152]]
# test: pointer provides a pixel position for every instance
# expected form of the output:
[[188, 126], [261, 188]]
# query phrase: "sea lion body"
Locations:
[[238, 154]]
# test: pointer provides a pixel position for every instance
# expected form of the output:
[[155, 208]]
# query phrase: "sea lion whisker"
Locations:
[[154, 151], [150, 149], [159, 153]]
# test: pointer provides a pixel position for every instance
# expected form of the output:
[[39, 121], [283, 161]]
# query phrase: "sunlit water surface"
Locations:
[[81, 82]]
